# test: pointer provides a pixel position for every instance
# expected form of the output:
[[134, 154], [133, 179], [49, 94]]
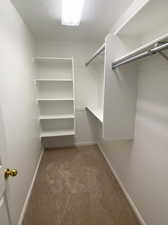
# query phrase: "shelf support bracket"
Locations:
[[164, 55]]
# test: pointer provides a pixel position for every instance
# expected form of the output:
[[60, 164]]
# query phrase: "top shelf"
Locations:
[[50, 59], [141, 48], [53, 80], [144, 17]]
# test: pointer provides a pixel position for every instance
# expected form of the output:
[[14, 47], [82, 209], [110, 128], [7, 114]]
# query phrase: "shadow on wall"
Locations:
[[53, 142]]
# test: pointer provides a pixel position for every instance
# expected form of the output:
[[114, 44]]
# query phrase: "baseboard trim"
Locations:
[[85, 143], [73, 146], [30, 190], [131, 202]]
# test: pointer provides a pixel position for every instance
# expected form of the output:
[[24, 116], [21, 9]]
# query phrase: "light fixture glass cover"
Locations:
[[72, 12]]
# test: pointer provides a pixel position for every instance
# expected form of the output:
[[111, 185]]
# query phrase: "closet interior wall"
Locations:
[[20, 133]]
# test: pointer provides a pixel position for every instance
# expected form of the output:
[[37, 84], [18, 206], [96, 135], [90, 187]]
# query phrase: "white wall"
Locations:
[[17, 105], [85, 86], [142, 164], [96, 79]]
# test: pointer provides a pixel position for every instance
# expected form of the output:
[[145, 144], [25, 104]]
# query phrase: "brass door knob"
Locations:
[[11, 173]]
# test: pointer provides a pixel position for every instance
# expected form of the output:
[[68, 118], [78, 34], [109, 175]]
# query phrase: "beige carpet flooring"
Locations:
[[75, 186]]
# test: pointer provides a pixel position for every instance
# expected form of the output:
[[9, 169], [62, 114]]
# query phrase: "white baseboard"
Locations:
[[131, 202], [30, 190], [78, 144]]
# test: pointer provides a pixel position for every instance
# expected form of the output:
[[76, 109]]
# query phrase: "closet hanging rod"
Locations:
[[152, 51], [98, 52]]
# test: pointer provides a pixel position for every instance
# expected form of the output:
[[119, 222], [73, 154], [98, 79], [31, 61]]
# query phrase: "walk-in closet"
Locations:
[[83, 112]]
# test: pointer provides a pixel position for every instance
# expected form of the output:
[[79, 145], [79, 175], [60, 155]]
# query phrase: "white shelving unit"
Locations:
[[142, 48], [56, 96], [139, 28], [143, 24], [147, 8]]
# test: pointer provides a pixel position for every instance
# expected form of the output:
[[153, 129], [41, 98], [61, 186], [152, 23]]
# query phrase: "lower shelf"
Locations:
[[57, 133]]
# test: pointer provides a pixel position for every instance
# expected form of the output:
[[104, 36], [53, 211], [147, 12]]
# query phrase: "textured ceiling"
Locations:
[[44, 19]]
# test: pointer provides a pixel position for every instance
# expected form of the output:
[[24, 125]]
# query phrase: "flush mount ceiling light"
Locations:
[[72, 12]]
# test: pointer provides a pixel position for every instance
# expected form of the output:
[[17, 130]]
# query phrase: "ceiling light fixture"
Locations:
[[72, 12]]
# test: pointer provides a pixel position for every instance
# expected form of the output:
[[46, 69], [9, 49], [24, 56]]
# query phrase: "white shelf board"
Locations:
[[59, 116], [95, 112], [141, 48], [54, 80], [55, 99], [57, 133], [144, 16], [46, 59]]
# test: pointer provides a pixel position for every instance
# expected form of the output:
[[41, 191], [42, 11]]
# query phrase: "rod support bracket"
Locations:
[[163, 55]]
